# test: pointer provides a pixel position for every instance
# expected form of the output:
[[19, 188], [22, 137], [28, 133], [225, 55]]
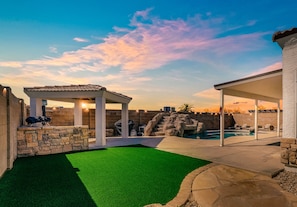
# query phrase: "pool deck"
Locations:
[[240, 151], [240, 175]]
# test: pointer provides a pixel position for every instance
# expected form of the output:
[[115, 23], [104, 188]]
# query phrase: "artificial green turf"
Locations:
[[120, 176]]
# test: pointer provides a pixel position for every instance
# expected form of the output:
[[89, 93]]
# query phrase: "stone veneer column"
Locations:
[[100, 121]]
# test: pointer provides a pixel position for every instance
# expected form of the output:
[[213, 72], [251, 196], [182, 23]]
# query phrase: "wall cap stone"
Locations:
[[32, 128]]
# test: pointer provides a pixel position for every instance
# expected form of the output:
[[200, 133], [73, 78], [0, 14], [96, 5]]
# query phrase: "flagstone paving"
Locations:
[[222, 185]]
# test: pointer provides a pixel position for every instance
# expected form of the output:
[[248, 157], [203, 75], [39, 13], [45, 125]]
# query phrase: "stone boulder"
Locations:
[[152, 123], [178, 123], [201, 127]]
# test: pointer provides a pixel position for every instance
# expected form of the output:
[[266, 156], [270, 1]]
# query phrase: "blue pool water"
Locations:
[[215, 134]]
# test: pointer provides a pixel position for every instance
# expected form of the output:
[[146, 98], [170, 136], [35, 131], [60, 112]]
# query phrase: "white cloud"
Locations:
[[53, 49], [208, 94], [79, 39]]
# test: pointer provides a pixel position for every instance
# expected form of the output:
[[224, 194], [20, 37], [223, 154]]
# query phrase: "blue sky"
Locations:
[[161, 53]]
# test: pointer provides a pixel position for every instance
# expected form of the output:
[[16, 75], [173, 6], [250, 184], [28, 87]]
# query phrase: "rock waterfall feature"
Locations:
[[172, 124]]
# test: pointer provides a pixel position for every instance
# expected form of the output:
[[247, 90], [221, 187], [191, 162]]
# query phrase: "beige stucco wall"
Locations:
[[3, 132], [11, 113], [16, 111]]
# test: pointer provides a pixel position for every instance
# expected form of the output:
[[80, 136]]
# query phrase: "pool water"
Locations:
[[215, 134]]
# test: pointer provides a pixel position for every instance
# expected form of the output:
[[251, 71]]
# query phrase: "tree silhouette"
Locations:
[[185, 108]]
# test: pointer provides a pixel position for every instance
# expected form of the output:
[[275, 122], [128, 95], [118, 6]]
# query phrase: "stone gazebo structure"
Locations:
[[79, 94]]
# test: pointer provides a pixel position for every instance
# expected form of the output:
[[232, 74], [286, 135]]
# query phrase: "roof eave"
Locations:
[[248, 79]]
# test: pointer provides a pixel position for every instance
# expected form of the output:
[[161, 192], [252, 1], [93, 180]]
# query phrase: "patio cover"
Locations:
[[265, 87], [79, 94]]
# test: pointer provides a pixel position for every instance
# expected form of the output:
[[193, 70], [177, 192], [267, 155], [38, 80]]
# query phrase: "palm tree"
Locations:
[[185, 108]]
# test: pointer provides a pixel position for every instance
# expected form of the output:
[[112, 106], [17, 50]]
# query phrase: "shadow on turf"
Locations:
[[43, 181]]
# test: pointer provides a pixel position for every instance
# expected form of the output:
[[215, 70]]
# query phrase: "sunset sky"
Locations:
[[159, 52]]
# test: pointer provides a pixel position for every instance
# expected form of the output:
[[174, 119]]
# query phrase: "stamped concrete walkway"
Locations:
[[240, 175]]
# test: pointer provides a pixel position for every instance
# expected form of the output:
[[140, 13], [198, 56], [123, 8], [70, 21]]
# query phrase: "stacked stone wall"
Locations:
[[289, 152], [51, 140]]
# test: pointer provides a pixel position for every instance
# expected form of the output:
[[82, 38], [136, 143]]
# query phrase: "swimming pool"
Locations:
[[215, 134]]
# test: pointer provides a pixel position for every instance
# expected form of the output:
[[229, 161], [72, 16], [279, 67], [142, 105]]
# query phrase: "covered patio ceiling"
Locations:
[[265, 87]]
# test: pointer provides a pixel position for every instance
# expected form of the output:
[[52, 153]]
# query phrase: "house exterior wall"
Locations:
[[289, 87]]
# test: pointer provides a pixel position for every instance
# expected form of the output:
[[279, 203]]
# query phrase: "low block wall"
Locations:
[[289, 152], [51, 140], [263, 119]]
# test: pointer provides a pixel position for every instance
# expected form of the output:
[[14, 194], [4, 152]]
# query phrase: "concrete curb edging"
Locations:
[[185, 190]]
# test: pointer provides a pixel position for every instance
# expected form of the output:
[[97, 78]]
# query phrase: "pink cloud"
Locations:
[[154, 44], [150, 43], [144, 14], [274, 66]]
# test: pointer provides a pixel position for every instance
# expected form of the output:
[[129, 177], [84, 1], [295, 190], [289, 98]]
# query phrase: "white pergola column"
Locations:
[[125, 120], [100, 121], [77, 112], [256, 120], [35, 107], [278, 120], [222, 119]]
